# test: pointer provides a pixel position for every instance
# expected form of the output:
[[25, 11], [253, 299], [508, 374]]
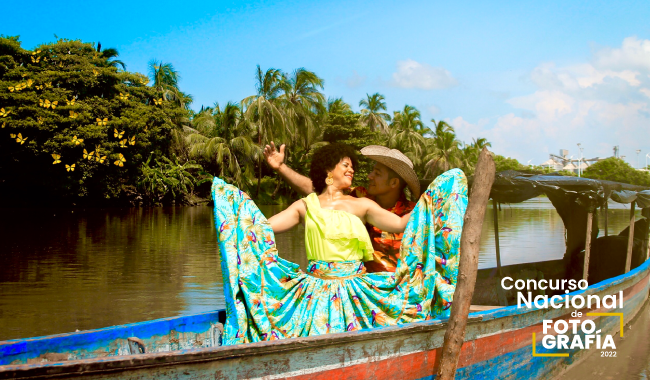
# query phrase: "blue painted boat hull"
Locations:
[[498, 345]]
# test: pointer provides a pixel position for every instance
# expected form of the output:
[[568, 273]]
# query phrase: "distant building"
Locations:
[[564, 162]]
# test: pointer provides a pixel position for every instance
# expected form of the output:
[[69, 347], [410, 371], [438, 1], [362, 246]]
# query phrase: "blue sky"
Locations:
[[531, 77]]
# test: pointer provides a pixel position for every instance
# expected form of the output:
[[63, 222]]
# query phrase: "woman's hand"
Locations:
[[273, 157], [289, 218]]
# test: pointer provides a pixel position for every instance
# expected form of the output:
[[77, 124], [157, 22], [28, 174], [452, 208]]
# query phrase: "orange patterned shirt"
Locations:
[[386, 244]]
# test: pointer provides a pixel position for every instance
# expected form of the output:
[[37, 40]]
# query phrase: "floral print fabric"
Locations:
[[270, 298]]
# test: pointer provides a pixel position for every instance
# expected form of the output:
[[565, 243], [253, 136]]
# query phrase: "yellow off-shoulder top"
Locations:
[[334, 235]]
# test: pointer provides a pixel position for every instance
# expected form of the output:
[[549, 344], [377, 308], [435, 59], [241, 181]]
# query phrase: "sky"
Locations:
[[532, 77]]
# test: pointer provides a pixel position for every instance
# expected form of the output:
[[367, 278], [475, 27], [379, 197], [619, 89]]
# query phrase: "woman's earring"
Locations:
[[329, 181]]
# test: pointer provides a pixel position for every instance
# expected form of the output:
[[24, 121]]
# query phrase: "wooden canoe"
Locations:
[[498, 345]]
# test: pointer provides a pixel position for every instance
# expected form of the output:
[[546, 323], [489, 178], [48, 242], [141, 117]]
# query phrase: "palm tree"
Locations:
[[109, 55], [338, 106], [468, 157], [165, 81], [480, 143], [302, 102], [262, 109], [163, 75], [224, 138], [441, 127], [444, 152], [408, 118], [371, 112], [404, 134], [469, 153]]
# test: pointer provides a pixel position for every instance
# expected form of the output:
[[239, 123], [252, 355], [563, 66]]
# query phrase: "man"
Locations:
[[392, 173]]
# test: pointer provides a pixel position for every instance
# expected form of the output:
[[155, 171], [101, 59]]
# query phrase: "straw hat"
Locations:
[[397, 161]]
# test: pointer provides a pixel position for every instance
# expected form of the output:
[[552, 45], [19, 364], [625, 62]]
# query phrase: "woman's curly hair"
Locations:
[[325, 159]]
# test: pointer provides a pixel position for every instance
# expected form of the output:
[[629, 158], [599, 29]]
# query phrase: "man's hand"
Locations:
[[273, 157]]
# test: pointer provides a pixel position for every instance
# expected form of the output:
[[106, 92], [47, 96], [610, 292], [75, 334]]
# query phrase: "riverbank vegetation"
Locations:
[[79, 129], [615, 169]]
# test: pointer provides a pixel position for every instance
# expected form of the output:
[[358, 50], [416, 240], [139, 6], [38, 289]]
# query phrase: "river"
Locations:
[[63, 270]]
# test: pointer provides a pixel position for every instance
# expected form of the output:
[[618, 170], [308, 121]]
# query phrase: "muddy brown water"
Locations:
[[63, 270]]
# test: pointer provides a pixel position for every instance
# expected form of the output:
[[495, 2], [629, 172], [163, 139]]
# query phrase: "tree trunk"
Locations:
[[277, 188], [468, 266]]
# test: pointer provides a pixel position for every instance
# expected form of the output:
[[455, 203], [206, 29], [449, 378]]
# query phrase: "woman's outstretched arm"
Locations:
[[383, 219], [289, 218], [298, 182]]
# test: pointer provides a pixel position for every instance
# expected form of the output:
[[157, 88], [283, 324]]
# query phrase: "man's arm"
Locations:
[[275, 159]]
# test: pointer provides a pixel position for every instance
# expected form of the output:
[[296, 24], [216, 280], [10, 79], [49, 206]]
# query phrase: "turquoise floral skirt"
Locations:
[[270, 298]]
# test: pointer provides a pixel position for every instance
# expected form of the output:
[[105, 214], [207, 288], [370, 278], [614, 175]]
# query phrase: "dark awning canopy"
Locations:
[[513, 187], [573, 198]]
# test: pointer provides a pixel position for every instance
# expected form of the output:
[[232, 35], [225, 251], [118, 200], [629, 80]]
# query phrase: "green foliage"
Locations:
[[567, 173], [372, 114], [169, 179], [221, 141], [267, 185], [338, 106], [69, 100], [506, 163], [76, 123], [303, 106], [542, 169], [444, 153], [347, 129], [404, 135], [165, 82], [615, 169]]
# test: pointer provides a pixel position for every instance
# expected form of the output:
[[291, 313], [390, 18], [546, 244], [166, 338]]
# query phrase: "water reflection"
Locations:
[[63, 270]]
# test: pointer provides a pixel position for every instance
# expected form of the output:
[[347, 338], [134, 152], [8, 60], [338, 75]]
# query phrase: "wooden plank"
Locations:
[[468, 266], [475, 308], [606, 215], [630, 240], [585, 268], [496, 235], [501, 293]]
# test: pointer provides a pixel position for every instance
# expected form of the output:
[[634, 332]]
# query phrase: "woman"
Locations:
[[269, 298]]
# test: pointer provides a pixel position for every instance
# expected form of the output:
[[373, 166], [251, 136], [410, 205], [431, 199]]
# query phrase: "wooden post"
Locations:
[[468, 265], [630, 240], [606, 215], [646, 237], [647, 244], [496, 236], [585, 270]]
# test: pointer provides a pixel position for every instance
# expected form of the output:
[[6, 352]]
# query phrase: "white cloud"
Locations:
[[466, 131], [355, 80], [412, 74], [634, 54], [576, 77], [595, 76], [433, 109], [599, 103], [548, 105]]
